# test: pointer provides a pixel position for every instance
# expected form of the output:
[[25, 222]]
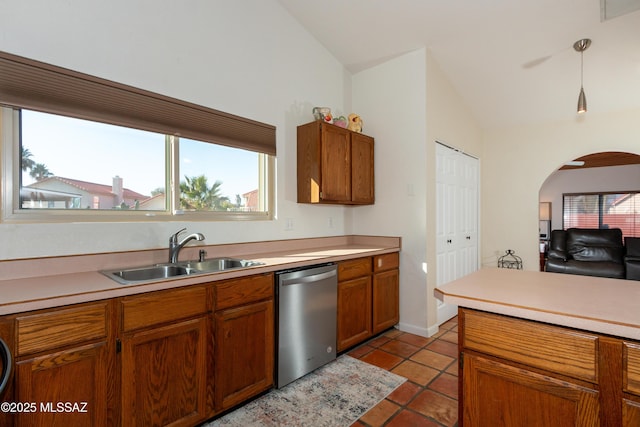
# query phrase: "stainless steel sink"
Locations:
[[154, 272], [160, 272], [219, 264]]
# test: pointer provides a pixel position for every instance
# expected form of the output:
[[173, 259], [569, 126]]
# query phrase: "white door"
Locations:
[[456, 219]]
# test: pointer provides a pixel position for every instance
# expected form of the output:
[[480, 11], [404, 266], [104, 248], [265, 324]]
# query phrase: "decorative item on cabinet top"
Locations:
[[354, 123]]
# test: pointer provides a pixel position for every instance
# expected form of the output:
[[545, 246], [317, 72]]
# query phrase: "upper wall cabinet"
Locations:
[[335, 165]]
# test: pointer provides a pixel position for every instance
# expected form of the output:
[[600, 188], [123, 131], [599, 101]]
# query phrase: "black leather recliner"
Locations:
[[632, 258], [586, 251]]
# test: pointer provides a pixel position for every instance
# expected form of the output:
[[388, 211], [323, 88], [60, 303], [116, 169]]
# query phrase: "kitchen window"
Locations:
[[79, 148], [603, 210], [73, 168]]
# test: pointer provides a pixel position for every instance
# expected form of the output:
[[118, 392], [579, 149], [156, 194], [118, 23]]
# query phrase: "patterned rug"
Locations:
[[336, 394]]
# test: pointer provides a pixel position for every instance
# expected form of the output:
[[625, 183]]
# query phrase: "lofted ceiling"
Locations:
[[512, 62]]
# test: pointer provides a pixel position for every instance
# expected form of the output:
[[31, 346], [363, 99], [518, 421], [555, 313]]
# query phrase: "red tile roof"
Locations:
[[93, 188]]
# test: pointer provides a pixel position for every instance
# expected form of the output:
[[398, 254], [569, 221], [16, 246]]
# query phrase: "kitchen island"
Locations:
[[547, 349]]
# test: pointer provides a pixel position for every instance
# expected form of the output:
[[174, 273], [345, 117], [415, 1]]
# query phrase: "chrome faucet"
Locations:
[[175, 246]]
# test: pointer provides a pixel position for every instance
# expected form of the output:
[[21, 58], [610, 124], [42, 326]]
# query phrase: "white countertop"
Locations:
[[55, 282], [608, 306]]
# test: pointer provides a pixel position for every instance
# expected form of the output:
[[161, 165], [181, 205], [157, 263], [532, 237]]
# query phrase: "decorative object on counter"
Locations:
[[322, 113], [340, 121], [355, 123], [510, 260], [337, 394]]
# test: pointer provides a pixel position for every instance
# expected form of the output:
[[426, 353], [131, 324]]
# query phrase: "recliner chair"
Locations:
[[632, 258], [586, 251]]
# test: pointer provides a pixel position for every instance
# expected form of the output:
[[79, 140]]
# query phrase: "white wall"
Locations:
[[391, 101], [606, 179], [516, 163], [450, 121], [249, 58], [410, 104]]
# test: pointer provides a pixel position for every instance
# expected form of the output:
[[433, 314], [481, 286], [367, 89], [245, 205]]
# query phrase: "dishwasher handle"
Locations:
[[307, 279]]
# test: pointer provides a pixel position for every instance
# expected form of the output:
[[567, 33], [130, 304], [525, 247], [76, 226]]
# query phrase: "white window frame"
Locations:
[[10, 187]]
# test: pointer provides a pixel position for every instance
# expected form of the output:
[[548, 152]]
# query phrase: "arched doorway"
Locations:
[[606, 183]]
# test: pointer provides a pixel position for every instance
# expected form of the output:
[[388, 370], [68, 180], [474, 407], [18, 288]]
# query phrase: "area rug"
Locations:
[[336, 394]]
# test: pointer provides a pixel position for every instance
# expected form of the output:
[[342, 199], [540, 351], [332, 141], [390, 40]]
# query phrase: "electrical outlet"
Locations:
[[288, 224], [330, 222]]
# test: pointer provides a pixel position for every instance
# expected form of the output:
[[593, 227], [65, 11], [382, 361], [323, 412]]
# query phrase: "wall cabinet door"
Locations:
[[164, 373], [76, 377], [498, 394], [354, 312], [335, 151], [362, 175], [244, 353]]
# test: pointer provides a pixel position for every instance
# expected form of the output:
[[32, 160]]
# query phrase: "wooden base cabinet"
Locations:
[[244, 339], [62, 367], [516, 372], [386, 291], [368, 298], [164, 358]]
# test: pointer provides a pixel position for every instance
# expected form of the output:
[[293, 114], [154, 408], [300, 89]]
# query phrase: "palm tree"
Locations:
[[39, 172], [196, 194], [26, 160]]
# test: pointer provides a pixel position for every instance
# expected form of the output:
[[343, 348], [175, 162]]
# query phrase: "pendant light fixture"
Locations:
[[581, 46]]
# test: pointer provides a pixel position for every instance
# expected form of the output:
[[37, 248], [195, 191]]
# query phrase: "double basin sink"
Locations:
[[168, 271]]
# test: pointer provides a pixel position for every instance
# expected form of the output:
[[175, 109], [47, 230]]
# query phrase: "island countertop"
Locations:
[[608, 306]]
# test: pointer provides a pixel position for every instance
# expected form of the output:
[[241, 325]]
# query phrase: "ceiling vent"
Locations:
[[610, 9]]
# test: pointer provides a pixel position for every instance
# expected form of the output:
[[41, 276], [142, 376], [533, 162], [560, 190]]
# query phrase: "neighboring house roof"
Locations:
[[90, 187], [251, 198]]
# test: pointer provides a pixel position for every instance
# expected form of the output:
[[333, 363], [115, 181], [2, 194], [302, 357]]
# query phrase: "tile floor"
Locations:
[[430, 395]]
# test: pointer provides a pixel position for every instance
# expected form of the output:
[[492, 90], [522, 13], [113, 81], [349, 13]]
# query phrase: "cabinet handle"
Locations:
[[468, 237], [448, 240]]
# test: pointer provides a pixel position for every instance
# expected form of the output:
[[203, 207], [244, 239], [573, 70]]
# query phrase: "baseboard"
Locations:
[[417, 330]]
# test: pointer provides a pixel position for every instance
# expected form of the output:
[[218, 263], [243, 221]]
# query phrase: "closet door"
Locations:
[[457, 219]]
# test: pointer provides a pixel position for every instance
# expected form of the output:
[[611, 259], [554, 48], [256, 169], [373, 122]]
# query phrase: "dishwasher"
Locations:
[[307, 300]]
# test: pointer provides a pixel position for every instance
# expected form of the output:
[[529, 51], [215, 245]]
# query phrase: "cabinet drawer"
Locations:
[[59, 328], [632, 368], [235, 292], [386, 262], [551, 348], [354, 268], [162, 306]]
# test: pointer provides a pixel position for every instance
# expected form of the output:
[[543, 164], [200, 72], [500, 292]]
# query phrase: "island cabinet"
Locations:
[[368, 298], [335, 165], [521, 372], [62, 367], [244, 339], [165, 340]]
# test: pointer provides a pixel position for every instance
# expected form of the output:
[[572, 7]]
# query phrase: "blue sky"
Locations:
[[96, 152]]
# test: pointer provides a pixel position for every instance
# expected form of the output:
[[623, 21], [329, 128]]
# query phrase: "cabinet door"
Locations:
[[354, 312], [362, 175], [630, 413], [335, 165], [386, 300], [244, 353], [496, 394], [164, 375], [75, 378]]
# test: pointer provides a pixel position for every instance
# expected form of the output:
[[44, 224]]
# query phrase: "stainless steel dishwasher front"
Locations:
[[307, 310]]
